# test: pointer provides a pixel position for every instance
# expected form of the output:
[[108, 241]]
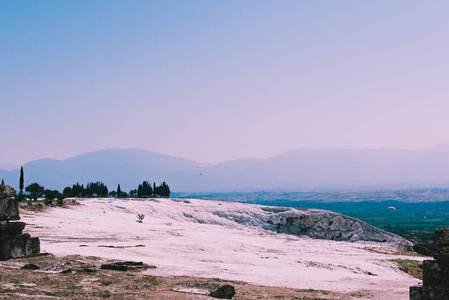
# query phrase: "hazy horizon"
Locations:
[[11, 166], [213, 81]]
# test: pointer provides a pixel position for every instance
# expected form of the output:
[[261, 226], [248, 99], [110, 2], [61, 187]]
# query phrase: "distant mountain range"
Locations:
[[295, 170], [8, 167]]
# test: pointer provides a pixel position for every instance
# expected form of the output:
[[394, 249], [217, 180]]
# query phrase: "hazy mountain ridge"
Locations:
[[294, 170]]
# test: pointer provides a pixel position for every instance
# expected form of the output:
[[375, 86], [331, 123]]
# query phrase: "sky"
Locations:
[[218, 80]]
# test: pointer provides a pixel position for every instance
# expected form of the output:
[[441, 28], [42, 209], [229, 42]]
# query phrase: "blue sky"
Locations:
[[219, 80]]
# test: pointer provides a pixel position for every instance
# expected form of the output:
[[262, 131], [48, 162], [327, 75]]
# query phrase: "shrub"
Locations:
[[140, 217]]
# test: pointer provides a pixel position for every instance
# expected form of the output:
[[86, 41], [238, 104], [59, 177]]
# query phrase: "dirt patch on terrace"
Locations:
[[39, 206], [87, 281], [412, 267], [391, 251]]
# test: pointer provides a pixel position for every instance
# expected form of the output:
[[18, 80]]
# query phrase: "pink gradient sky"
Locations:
[[219, 80]]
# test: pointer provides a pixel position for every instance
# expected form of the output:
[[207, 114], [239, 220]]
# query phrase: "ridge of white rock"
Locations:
[[323, 224], [314, 223]]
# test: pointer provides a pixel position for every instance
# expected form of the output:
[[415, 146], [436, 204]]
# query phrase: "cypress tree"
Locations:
[[139, 191], [119, 191], [150, 190], [144, 190], [165, 190], [21, 180], [3, 182], [78, 190]]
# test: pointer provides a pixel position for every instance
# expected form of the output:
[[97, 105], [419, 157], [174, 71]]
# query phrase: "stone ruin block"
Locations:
[[33, 246], [442, 237], [9, 206], [431, 273], [429, 293], [13, 243], [435, 272], [24, 245]]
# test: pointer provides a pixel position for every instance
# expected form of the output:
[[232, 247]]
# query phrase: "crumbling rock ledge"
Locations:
[[328, 225], [315, 223]]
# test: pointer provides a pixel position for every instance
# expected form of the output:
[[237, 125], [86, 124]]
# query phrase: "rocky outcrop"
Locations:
[[435, 272], [324, 224], [223, 292], [13, 243]]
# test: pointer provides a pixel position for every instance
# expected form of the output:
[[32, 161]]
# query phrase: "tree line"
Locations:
[[99, 189], [92, 189]]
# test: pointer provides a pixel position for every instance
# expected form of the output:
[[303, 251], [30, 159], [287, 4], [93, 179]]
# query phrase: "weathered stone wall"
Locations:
[[9, 207], [13, 243], [435, 272]]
